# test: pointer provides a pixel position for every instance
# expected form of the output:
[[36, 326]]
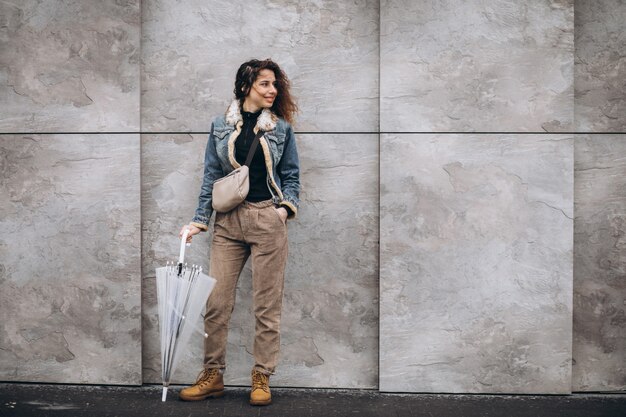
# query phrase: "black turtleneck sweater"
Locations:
[[259, 190]]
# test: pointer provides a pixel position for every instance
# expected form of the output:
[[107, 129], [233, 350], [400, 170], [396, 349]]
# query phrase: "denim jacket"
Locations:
[[281, 159]]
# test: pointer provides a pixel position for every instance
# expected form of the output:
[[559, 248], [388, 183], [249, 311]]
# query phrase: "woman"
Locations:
[[257, 227]]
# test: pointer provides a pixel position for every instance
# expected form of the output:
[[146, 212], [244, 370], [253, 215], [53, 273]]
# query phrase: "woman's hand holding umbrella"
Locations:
[[193, 230]]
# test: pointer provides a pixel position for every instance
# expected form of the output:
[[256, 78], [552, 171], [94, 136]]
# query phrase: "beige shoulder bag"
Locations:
[[231, 190]]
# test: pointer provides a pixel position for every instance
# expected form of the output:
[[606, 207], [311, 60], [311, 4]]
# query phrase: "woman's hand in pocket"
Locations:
[[282, 213]]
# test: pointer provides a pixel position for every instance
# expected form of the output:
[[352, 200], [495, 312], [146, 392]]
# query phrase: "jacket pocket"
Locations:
[[220, 134], [276, 143]]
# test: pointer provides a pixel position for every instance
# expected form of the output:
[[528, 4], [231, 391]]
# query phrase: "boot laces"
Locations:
[[260, 381], [205, 376]]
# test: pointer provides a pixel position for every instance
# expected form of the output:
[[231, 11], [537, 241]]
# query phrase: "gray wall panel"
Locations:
[[476, 65], [69, 66], [476, 263], [192, 49], [171, 176], [330, 318], [330, 313], [599, 68], [599, 264], [70, 259]]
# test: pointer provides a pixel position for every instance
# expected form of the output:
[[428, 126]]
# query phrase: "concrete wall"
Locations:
[[476, 263], [69, 66], [599, 354], [600, 263], [330, 312], [328, 49], [70, 251], [476, 229], [476, 65], [191, 50], [499, 226]]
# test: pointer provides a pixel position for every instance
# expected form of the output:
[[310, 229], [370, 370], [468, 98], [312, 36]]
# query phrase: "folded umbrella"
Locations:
[[182, 292]]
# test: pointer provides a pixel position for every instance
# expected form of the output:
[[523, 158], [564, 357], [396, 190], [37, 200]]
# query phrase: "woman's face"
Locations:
[[263, 92]]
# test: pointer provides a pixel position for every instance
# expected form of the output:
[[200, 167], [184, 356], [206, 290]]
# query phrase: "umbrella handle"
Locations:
[[183, 242]]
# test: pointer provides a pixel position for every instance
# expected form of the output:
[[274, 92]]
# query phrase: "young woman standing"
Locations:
[[257, 228]]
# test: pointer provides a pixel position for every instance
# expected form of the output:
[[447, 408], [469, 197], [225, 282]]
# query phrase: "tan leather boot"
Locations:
[[260, 394], [210, 383]]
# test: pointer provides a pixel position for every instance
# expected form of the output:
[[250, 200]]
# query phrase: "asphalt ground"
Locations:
[[17, 399]]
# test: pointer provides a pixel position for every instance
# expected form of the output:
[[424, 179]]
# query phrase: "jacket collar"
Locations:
[[266, 121]]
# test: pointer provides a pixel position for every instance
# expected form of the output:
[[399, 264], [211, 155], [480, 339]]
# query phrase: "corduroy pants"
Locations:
[[251, 229]]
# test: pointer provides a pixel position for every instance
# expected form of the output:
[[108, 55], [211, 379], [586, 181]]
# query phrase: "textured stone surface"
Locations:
[[330, 310], [476, 65], [502, 66], [476, 263], [171, 176], [600, 264], [191, 50], [600, 70], [330, 313], [69, 259], [69, 66]]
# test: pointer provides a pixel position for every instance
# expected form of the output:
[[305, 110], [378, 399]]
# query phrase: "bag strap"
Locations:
[[253, 146]]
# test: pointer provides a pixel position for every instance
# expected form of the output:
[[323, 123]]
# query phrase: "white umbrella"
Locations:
[[182, 292]]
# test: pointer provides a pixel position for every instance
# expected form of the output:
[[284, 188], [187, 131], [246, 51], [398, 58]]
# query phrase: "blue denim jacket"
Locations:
[[281, 159]]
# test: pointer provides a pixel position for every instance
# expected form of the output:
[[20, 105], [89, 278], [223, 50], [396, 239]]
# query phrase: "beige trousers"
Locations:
[[251, 229]]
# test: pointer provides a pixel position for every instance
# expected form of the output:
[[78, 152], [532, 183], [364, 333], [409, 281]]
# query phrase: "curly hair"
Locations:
[[284, 105]]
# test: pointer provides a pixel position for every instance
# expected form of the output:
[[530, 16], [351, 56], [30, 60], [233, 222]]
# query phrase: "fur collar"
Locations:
[[266, 121]]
